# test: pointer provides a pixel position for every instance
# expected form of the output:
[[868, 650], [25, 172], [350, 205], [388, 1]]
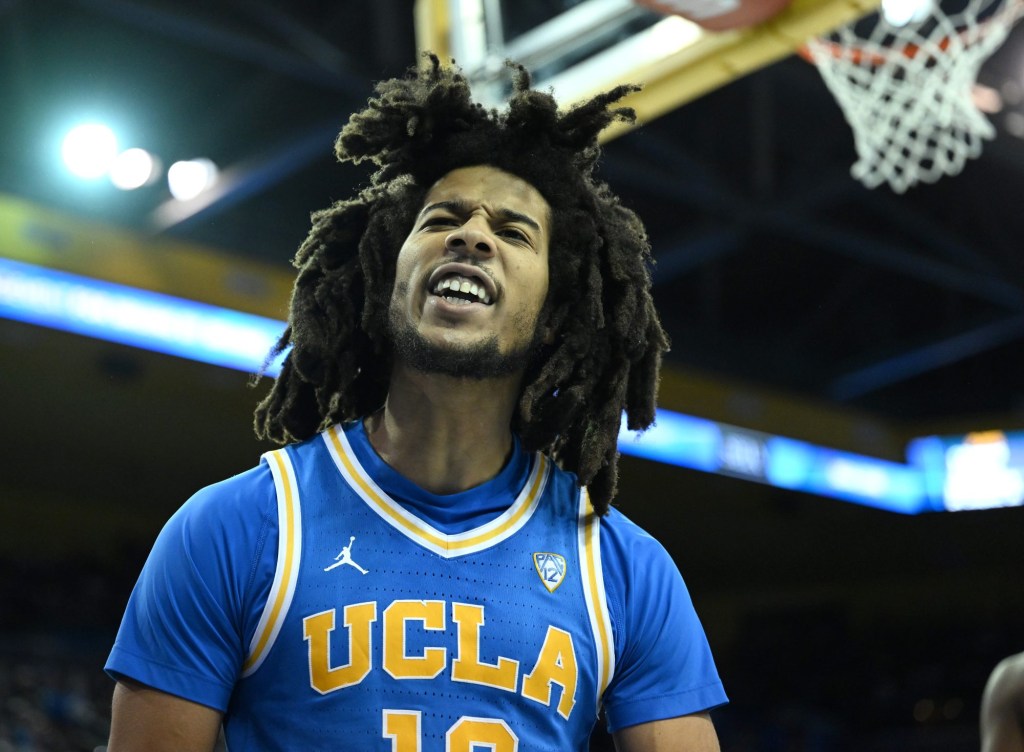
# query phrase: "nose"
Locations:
[[470, 238]]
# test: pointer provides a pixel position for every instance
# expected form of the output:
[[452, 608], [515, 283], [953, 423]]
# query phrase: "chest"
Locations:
[[393, 630]]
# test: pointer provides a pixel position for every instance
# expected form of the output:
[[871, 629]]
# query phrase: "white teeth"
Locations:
[[463, 285]]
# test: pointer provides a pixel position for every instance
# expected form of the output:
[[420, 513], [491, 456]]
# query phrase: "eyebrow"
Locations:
[[458, 206]]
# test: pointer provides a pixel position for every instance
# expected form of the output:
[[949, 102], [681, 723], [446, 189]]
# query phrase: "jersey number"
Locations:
[[468, 734]]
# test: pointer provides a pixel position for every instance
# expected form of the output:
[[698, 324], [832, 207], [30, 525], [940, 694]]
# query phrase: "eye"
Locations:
[[514, 234], [439, 221]]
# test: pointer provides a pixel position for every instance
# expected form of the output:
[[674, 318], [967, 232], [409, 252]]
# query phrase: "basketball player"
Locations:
[[464, 336], [1002, 707]]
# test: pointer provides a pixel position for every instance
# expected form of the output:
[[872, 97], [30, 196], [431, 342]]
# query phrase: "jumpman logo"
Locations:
[[345, 557]]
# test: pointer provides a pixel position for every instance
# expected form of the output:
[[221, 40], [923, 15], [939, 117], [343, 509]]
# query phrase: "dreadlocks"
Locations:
[[609, 344]]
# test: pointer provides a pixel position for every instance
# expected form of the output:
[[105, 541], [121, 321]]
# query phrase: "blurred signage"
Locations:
[[980, 470], [140, 318], [715, 447], [743, 453]]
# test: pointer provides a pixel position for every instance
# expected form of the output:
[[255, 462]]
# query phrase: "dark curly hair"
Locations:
[[607, 351]]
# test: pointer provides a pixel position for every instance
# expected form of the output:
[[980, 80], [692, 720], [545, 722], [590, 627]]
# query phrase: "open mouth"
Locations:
[[459, 290], [462, 284]]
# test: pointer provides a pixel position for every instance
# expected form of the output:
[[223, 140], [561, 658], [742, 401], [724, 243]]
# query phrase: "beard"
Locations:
[[482, 360]]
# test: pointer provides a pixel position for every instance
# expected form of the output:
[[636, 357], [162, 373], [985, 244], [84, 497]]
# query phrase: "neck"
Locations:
[[445, 434]]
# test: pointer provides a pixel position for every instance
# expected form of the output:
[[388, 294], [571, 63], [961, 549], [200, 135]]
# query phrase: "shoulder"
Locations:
[[1002, 706], [199, 596], [233, 512], [624, 544], [1011, 668], [663, 663], [237, 496], [632, 547], [641, 578], [1007, 678]]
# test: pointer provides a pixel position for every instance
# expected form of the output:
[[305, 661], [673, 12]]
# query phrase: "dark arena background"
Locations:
[[838, 470]]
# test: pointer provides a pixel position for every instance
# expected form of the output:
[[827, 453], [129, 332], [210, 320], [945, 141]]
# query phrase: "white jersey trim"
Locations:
[[594, 592], [449, 546], [289, 553]]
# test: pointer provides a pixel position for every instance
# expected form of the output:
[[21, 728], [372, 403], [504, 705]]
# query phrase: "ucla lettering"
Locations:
[[556, 664], [555, 670], [396, 619], [317, 629], [467, 666]]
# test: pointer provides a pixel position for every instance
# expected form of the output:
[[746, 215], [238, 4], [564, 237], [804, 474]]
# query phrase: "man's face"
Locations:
[[472, 276]]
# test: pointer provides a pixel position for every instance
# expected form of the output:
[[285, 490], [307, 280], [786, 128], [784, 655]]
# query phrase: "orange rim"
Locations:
[[860, 56]]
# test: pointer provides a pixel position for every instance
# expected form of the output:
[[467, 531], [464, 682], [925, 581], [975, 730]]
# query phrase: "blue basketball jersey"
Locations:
[[321, 601], [383, 633]]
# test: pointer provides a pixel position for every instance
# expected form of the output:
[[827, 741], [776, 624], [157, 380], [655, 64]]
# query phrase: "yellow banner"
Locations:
[[51, 239]]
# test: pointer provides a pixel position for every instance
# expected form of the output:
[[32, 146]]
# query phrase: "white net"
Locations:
[[906, 91]]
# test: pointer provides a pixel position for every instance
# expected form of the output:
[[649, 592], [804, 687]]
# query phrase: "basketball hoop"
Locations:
[[906, 90]]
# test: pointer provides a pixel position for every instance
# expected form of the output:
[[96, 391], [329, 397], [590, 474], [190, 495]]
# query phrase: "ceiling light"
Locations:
[[187, 179], [89, 150], [133, 168]]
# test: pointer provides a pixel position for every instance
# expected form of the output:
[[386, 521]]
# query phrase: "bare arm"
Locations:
[[688, 733], [1002, 707], [147, 720]]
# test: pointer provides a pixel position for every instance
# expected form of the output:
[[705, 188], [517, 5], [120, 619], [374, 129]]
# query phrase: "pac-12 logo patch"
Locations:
[[551, 568]]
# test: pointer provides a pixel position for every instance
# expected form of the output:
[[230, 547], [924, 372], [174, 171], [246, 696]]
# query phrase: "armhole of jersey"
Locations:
[[594, 593], [289, 551]]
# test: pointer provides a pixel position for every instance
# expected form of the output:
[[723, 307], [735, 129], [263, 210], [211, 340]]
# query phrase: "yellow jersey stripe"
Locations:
[[594, 592], [537, 478], [342, 453], [288, 549], [446, 545]]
